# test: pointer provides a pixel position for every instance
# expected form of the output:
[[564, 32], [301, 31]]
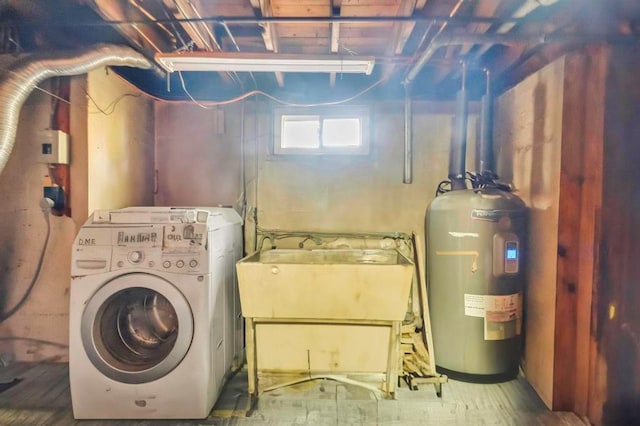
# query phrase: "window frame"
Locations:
[[325, 112]]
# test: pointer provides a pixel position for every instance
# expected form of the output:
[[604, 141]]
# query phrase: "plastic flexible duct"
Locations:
[[23, 76]]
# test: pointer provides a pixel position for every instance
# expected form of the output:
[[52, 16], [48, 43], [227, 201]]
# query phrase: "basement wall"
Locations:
[[198, 155], [121, 143], [38, 331], [111, 166], [200, 165], [528, 136]]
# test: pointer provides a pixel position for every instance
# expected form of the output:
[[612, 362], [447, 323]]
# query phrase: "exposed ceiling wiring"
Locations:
[[213, 104], [184, 87], [110, 109], [53, 95]]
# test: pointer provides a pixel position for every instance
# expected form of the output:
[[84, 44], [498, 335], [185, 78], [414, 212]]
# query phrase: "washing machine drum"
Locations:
[[137, 328]]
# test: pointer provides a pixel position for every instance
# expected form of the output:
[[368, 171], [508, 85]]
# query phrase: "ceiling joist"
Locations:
[[146, 37], [270, 35]]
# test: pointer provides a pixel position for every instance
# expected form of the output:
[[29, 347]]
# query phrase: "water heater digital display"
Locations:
[[506, 254], [511, 257]]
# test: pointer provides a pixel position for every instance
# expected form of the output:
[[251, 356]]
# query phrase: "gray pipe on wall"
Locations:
[[485, 158], [458, 152], [408, 136], [457, 155], [17, 83]]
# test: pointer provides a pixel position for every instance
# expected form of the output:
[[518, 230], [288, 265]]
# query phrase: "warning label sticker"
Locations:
[[474, 305], [502, 314]]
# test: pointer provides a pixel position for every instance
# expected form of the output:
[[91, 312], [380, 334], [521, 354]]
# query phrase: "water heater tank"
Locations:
[[475, 269]]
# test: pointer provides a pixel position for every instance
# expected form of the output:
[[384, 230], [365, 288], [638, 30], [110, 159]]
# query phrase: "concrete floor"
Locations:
[[42, 398]]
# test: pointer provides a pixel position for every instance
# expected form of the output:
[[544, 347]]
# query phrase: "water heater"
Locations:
[[475, 270]]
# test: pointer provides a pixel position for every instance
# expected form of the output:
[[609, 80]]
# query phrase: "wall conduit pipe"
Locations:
[[17, 83], [484, 162], [457, 155], [408, 136]]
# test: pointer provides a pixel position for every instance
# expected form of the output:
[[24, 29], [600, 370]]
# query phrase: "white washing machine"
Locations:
[[155, 321]]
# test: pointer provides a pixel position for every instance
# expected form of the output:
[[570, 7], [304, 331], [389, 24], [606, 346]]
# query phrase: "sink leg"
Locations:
[[393, 357], [250, 330]]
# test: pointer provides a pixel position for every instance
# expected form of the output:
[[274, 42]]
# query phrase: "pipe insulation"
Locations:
[[17, 82]]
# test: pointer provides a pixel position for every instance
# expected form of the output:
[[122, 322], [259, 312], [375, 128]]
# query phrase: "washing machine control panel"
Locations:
[[186, 262], [136, 257]]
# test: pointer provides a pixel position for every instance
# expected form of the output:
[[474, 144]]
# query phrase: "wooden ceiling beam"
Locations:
[[335, 37], [335, 47], [270, 35], [400, 33], [522, 59], [145, 37], [199, 32], [484, 8]]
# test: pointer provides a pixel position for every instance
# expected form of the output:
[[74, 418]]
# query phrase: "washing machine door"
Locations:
[[137, 328]]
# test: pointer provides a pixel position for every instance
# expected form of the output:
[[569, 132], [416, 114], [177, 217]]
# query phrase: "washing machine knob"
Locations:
[[135, 257], [193, 263], [180, 263], [166, 264]]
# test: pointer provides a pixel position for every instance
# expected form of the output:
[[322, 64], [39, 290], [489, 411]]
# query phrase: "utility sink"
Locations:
[[332, 284]]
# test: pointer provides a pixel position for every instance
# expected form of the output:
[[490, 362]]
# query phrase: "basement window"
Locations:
[[321, 131]]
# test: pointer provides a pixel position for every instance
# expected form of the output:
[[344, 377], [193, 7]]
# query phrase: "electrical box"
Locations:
[[53, 147]]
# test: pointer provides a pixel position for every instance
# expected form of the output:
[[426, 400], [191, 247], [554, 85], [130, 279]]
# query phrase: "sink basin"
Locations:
[[325, 284]]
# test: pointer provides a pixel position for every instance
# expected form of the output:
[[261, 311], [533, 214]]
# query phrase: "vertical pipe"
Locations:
[[484, 163], [243, 178], [408, 136], [459, 140], [256, 165]]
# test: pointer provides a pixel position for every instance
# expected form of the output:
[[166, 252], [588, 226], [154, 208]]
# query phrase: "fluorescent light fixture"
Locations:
[[264, 62]]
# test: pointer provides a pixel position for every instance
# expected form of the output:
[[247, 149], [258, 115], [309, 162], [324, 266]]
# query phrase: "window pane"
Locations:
[[341, 132], [300, 132]]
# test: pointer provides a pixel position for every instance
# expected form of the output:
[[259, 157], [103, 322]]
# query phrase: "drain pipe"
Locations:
[[17, 83], [457, 155]]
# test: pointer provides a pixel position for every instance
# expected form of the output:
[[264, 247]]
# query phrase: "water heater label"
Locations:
[[502, 314], [493, 215], [488, 215], [503, 317], [474, 305]]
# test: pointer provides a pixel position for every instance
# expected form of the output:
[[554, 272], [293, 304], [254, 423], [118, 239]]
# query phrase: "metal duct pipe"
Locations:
[[449, 40], [489, 39], [525, 9], [17, 83], [458, 152], [484, 161], [408, 137]]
